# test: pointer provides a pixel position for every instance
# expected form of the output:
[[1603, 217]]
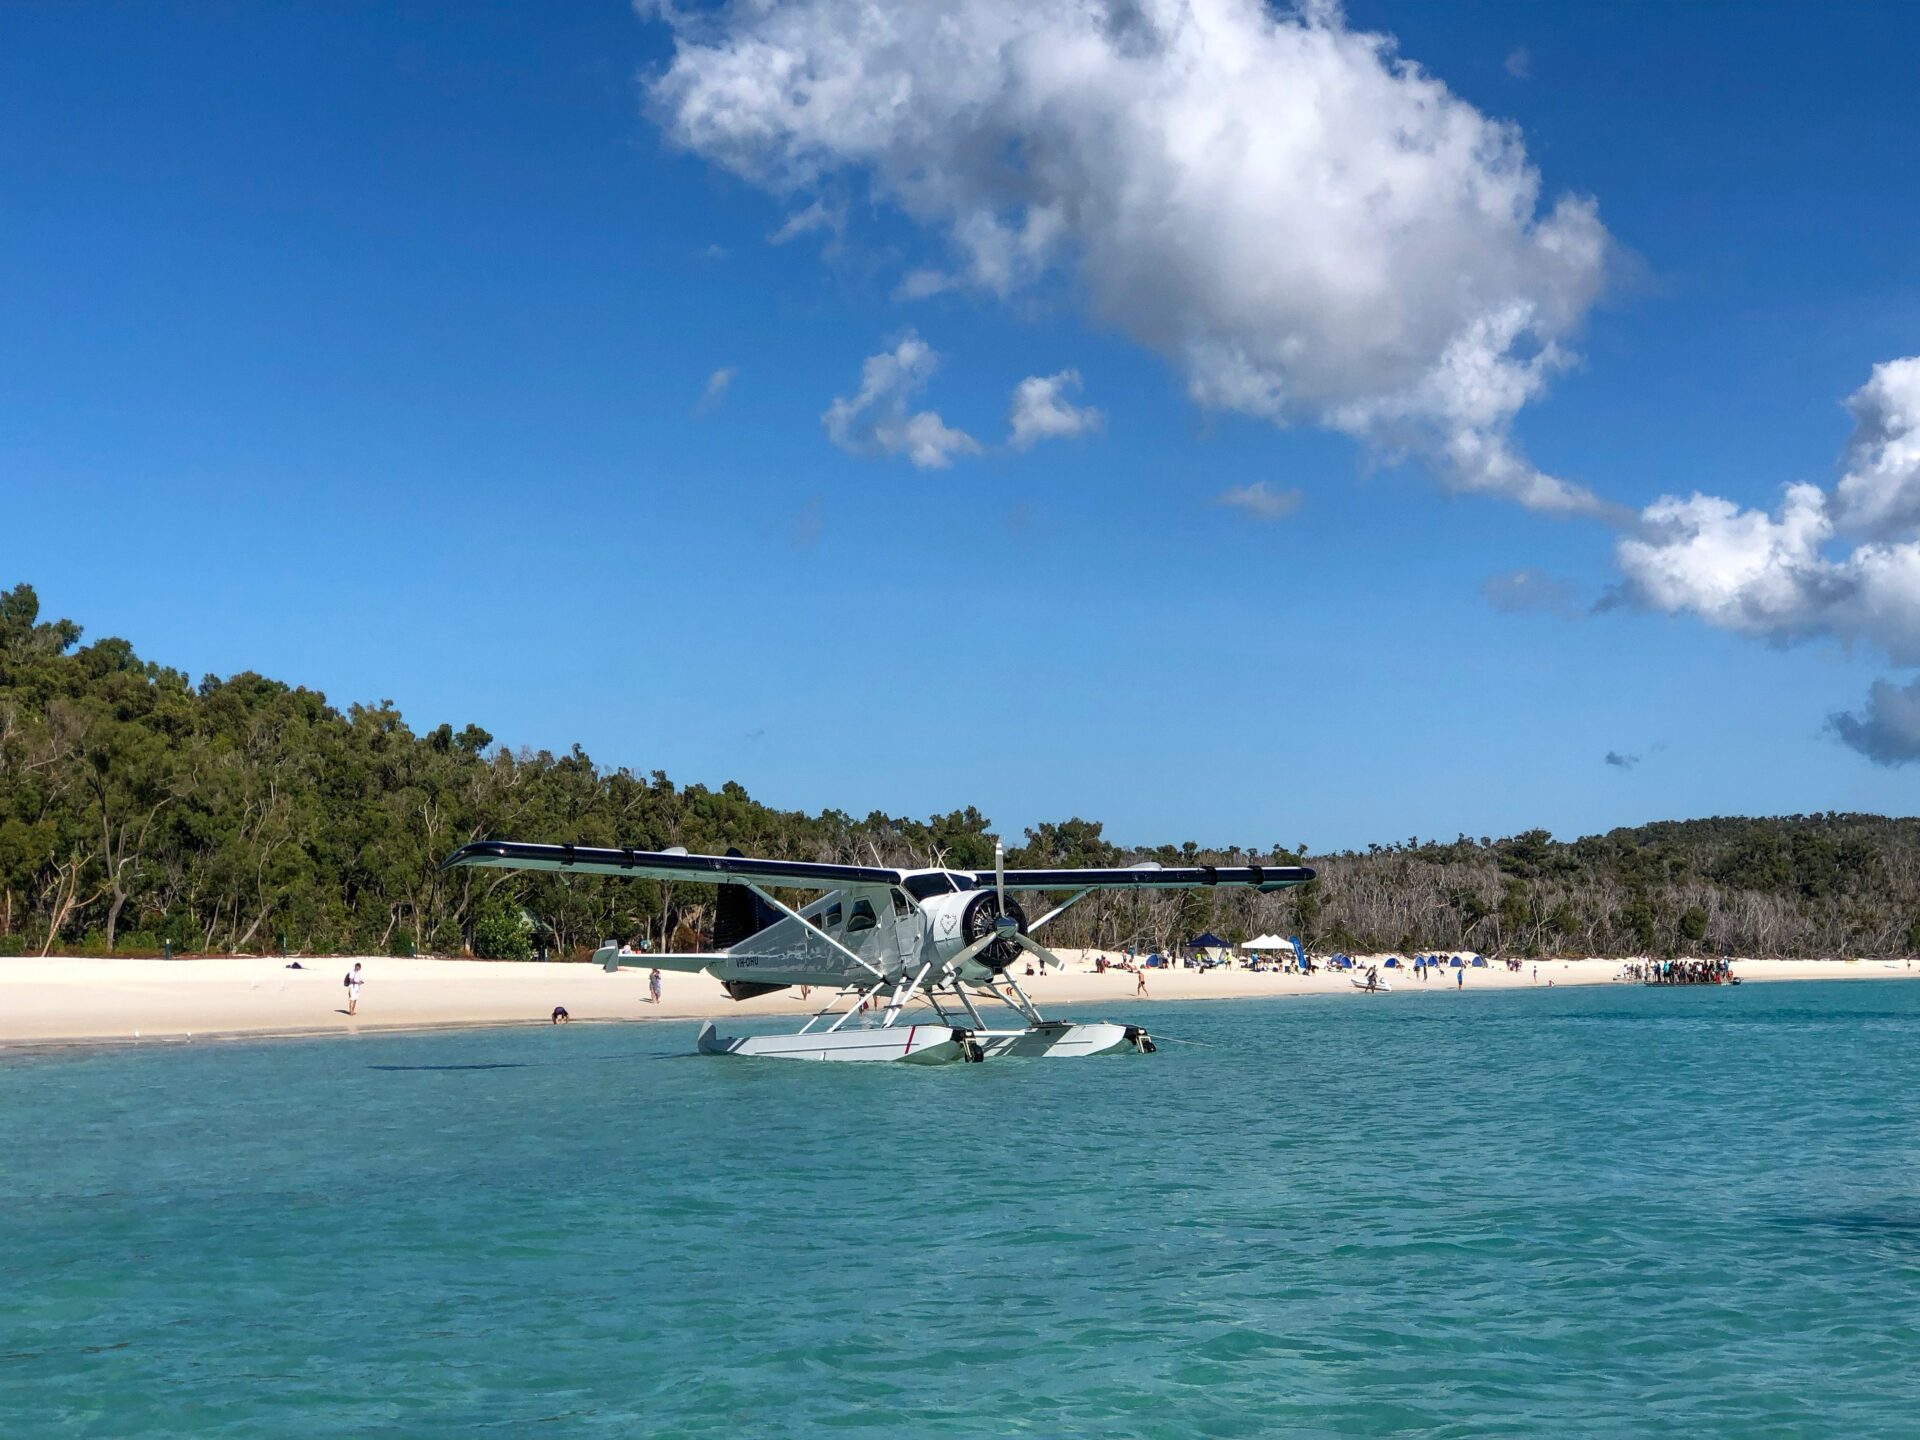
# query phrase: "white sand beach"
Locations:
[[64, 1000]]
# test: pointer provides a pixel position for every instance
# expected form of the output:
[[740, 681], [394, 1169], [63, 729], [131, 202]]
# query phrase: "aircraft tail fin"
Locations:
[[739, 913]]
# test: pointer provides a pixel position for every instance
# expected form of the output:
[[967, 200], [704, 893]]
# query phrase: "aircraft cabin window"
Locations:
[[862, 918], [901, 905], [924, 887], [961, 882], [830, 917]]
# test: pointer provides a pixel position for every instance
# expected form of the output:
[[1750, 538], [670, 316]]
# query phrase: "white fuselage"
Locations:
[[864, 933]]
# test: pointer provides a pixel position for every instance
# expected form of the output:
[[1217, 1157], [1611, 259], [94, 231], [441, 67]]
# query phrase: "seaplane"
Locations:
[[879, 941]]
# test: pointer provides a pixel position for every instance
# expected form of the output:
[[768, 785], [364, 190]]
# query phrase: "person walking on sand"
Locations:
[[1140, 982], [653, 986], [354, 981]]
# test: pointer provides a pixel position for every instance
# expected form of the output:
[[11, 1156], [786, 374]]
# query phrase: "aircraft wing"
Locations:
[[667, 865], [813, 875], [1152, 877]]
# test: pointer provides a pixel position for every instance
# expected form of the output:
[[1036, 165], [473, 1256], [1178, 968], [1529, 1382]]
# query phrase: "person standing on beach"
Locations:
[[1140, 981], [653, 986], [354, 981], [1460, 979]]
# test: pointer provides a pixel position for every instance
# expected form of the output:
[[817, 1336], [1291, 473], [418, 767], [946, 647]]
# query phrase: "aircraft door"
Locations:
[[909, 928]]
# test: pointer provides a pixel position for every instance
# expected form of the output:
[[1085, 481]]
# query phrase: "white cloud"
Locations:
[[1257, 502], [1519, 63], [1040, 410], [1770, 575], [1312, 228], [718, 383], [919, 284], [876, 421], [1888, 733], [817, 216], [1531, 588], [1879, 496]]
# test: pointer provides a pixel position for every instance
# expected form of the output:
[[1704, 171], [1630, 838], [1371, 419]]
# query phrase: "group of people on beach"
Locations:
[[1681, 972]]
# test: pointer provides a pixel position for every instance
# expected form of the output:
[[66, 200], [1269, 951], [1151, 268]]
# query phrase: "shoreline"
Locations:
[[62, 1002]]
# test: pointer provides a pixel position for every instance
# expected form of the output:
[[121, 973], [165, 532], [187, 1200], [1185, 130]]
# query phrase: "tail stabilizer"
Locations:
[[614, 956]]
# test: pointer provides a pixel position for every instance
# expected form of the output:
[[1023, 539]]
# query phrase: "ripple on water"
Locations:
[[1594, 1212]]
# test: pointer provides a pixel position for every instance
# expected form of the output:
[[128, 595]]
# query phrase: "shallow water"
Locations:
[[1584, 1211]]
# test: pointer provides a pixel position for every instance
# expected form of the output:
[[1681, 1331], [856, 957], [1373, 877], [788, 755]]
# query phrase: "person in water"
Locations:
[[560, 1016]]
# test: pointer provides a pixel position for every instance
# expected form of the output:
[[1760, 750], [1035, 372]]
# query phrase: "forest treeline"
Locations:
[[141, 811]]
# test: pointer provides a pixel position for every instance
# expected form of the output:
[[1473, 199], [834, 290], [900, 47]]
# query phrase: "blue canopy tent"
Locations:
[[1208, 941]]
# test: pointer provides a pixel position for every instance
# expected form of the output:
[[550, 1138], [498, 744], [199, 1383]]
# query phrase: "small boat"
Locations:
[[1372, 980]]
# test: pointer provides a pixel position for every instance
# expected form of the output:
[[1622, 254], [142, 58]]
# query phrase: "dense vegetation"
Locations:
[[139, 810]]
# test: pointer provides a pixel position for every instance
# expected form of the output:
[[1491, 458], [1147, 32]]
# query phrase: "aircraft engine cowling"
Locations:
[[976, 923]]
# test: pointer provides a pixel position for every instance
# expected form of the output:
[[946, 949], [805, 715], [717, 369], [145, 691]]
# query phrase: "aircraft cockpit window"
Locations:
[[925, 887], [961, 882], [901, 905], [862, 917]]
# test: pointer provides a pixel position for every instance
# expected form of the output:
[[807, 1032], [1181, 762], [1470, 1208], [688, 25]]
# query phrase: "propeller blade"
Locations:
[[974, 949], [1047, 957]]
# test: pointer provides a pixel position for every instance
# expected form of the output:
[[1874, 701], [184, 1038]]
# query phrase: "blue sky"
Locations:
[[365, 348]]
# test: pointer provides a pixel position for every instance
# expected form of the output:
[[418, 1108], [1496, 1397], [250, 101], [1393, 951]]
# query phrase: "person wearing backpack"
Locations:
[[353, 982]]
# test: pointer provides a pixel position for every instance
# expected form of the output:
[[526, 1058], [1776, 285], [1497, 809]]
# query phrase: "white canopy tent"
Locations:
[[1268, 942]]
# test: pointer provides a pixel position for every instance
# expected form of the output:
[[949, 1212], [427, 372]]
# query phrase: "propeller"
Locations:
[[1008, 926]]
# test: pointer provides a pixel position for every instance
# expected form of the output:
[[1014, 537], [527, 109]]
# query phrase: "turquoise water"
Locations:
[[1584, 1211]]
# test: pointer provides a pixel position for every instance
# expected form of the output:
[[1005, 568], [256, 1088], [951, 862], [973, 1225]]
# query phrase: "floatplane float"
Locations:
[[880, 940]]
